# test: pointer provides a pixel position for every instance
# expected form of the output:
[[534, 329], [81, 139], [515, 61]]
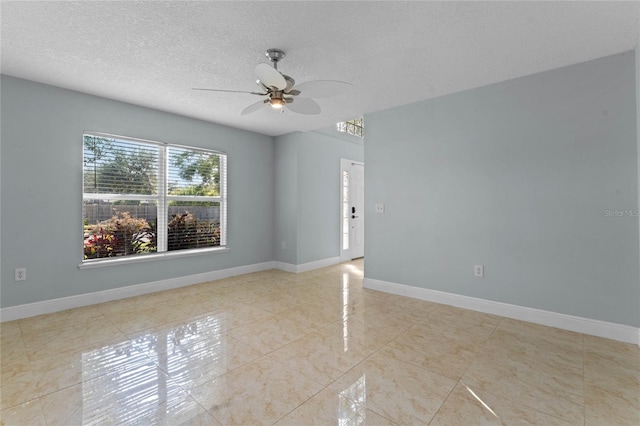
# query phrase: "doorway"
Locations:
[[351, 209]]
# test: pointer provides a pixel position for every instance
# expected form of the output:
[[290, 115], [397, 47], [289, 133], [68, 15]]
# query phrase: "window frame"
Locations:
[[162, 199]]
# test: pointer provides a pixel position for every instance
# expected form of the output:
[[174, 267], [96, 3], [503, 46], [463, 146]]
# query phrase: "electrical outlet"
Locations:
[[380, 208], [20, 274], [478, 271]]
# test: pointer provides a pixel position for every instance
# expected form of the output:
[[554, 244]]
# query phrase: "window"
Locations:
[[143, 197], [345, 210], [352, 127]]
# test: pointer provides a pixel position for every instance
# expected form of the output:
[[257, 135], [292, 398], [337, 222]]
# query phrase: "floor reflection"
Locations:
[[345, 311], [481, 401], [353, 403], [139, 379]]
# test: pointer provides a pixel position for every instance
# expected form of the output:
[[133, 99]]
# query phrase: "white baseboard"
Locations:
[[61, 304], [620, 332], [305, 267], [287, 267], [64, 303]]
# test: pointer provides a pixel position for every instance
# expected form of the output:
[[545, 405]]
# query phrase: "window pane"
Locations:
[[119, 228], [193, 172], [352, 127], [113, 166], [193, 224]]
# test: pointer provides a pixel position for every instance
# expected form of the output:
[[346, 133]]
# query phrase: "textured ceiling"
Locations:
[[152, 53]]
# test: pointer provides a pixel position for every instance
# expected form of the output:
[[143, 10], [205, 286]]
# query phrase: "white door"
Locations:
[[356, 210]]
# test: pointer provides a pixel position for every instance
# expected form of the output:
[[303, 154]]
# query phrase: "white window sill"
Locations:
[[98, 263]]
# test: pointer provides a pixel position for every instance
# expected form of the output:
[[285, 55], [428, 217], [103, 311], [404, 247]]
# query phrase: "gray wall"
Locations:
[[516, 176], [41, 175], [286, 206], [308, 194]]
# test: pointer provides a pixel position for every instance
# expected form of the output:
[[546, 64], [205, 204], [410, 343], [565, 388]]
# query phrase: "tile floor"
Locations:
[[312, 348]]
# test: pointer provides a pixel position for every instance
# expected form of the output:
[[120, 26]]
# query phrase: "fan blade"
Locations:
[[270, 77], [304, 106], [252, 108], [230, 91], [323, 88]]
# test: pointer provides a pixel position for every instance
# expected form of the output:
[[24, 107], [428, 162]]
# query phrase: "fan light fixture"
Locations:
[[281, 90], [276, 103]]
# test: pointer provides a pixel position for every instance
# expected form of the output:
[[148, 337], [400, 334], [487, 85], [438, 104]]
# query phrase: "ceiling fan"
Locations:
[[280, 90]]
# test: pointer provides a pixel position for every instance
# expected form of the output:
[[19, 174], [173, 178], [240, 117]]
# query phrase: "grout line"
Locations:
[[445, 400], [477, 353]]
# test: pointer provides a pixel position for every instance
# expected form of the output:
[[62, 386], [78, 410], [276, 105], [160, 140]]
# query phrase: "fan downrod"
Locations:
[[274, 56]]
